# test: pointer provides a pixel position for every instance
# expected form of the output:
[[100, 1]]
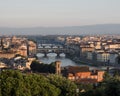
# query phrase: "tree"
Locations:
[[112, 87], [67, 87], [14, 83], [85, 87], [43, 68], [39, 85], [107, 76], [34, 65]]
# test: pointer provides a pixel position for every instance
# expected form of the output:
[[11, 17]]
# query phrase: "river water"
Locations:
[[51, 57]]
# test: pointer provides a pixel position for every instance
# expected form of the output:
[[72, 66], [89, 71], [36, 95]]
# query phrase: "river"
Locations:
[[51, 57]]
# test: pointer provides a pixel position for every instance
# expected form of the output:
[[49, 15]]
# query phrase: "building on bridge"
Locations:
[[51, 49]]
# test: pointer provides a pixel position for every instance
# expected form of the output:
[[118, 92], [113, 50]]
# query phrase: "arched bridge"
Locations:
[[45, 49]]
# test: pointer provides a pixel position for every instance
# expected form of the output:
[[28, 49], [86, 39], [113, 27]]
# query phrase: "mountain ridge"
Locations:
[[67, 30]]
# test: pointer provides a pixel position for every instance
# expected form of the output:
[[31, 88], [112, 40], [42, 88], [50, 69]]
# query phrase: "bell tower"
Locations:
[[58, 67], [2, 43]]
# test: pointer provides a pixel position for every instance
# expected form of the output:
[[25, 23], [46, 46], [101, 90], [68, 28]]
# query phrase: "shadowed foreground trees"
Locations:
[[67, 87], [36, 66], [14, 83], [109, 87]]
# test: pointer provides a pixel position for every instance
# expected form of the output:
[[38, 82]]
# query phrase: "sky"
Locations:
[[58, 13]]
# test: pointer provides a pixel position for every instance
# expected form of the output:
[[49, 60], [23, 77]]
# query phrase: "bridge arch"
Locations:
[[58, 50], [51, 54]]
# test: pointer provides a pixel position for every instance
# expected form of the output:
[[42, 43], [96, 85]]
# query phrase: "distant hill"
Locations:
[[70, 30]]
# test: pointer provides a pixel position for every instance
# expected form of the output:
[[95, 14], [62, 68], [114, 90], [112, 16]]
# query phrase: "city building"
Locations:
[[103, 56], [32, 47], [83, 74]]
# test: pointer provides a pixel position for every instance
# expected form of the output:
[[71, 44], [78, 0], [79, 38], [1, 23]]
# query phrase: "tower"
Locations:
[[58, 67], [28, 53], [100, 75], [2, 43]]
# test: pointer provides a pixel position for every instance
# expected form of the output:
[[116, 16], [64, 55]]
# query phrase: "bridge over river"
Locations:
[[58, 49], [51, 48]]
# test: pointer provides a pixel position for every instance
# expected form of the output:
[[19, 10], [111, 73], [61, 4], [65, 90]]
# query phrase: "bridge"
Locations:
[[51, 48]]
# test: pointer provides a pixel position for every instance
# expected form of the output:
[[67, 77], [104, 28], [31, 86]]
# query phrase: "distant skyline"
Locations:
[[110, 29], [58, 13]]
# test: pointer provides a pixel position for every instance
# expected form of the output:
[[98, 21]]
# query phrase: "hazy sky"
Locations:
[[35, 13]]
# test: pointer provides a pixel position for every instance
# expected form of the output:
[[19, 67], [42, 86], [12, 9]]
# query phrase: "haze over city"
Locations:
[[59, 17], [59, 47]]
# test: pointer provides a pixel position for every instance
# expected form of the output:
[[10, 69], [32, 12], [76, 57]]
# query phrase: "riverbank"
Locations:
[[69, 60], [84, 61]]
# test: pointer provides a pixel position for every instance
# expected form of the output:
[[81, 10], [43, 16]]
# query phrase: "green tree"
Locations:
[[67, 87], [85, 87], [39, 85], [107, 77], [36, 66], [112, 87], [14, 83]]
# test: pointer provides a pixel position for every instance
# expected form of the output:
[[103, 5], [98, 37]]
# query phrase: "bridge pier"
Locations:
[[45, 54], [58, 54], [53, 49]]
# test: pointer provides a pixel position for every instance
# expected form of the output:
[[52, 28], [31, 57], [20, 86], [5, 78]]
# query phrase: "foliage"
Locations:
[[41, 67], [107, 77], [112, 87], [109, 87], [85, 87], [66, 86], [14, 83]]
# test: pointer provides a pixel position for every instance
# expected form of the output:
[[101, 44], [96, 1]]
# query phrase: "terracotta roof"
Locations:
[[87, 81], [75, 69]]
